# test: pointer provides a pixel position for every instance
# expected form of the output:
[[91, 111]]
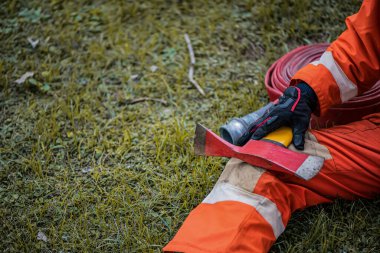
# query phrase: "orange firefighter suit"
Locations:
[[249, 207]]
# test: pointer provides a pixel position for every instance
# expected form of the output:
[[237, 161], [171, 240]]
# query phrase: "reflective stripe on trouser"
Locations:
[[249, 208]]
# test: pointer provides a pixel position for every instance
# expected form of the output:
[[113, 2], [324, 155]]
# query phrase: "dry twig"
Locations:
[[25, 76], [192, 63]]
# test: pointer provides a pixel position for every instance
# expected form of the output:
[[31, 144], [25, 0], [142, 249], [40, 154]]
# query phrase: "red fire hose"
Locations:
[[278, 77]]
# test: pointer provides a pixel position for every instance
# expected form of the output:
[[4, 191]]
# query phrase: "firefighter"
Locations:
[[249, 207]]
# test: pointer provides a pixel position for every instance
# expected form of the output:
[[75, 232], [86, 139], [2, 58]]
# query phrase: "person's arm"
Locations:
[[351, 65]]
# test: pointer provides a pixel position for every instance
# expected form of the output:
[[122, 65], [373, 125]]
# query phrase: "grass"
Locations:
[[95, 173]]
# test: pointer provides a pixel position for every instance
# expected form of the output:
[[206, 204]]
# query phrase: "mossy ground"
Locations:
[[95, 173]]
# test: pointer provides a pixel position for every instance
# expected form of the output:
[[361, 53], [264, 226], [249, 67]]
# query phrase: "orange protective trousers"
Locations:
[[249, 207]]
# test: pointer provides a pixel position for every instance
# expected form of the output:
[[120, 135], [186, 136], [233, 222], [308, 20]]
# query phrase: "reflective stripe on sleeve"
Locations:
[[347, 88], [226, 192]]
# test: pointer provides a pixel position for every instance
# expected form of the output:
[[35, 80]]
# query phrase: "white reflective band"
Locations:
[[227, 192], [347, 88]]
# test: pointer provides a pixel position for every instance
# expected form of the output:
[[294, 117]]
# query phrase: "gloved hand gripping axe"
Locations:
[[270, 152]]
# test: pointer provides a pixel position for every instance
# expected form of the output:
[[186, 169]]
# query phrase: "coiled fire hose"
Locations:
[[278, 77]]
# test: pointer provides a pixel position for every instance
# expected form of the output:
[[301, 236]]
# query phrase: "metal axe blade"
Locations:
[[258, 153]]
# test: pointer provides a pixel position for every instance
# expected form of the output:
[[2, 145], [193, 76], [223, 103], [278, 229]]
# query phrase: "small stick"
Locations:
[[192, 63], [143, 99]]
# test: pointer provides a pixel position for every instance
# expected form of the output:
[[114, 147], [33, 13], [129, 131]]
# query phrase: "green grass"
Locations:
[[95, 173]]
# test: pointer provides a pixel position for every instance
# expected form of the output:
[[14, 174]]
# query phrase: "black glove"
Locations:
[[293, 109]]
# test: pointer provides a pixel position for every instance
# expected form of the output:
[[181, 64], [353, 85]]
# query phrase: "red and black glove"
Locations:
[[293, 109]]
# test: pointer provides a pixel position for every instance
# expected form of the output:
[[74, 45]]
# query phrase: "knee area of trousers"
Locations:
[[241, 174]]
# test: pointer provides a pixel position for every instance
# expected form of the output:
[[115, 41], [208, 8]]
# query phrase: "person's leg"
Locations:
[[235, 217], [249, 207], [353, 170]]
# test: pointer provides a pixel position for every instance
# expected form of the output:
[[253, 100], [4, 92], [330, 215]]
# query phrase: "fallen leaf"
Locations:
[[86, 170], [41, 236], [33, 43], [45, 74], [153, 68], [25, 76], [33, 81], [45, 87], [134, 78]]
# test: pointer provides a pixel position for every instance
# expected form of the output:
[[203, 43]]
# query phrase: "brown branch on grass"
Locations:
[[143, 99], [192, 63]]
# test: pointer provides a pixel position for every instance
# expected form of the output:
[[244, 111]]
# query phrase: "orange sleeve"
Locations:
[[351, 65]]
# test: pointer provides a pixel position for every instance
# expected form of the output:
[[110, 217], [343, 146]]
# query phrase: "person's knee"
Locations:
[[241, 174]]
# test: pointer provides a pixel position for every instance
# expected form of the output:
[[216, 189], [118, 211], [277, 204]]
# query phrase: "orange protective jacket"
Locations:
[[351, 65], [248, 208]]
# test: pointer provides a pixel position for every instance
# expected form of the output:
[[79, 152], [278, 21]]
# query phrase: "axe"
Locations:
[[269, 153]]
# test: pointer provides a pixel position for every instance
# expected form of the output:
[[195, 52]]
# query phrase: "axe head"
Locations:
[[258, 153]]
